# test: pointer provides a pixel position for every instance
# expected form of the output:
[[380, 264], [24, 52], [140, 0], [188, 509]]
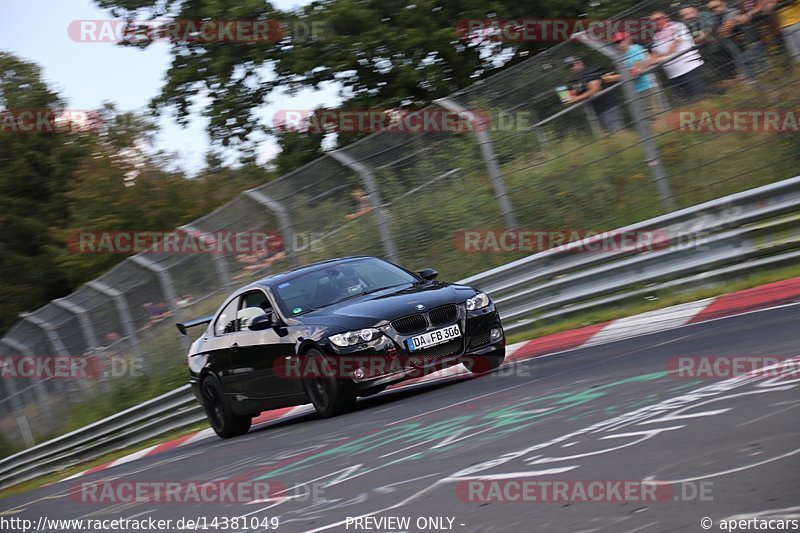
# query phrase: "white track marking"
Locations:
[[723, 472], [650, 322]]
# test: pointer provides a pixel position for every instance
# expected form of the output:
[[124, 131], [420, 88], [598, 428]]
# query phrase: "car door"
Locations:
[[257, 354], [218, 345]]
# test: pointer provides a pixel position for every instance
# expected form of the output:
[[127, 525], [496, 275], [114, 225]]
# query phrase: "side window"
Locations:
[[253, 304], [226, 322]]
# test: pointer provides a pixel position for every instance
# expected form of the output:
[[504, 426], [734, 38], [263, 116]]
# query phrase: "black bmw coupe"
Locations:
[[330, 332]]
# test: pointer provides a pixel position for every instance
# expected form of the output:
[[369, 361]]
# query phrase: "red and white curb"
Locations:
[[770, 295]]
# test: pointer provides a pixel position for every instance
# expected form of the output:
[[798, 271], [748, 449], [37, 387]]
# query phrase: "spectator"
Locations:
[[719, 58], [732, 32], [766, 24], [586, 84], [362, 202], [789, 21], [751, 17], [673, 46], [634, 58]]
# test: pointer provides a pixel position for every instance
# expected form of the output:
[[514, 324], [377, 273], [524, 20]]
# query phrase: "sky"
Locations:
[[86, 74]]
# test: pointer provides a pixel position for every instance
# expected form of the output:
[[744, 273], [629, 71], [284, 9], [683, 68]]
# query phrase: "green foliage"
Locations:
[[384, 53], [297, 149], [36, 170], [54, 185]]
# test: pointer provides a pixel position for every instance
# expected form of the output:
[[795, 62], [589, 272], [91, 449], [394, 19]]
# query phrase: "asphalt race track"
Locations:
[[717, 447]]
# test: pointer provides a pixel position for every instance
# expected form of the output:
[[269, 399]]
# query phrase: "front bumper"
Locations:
[[387, 359]]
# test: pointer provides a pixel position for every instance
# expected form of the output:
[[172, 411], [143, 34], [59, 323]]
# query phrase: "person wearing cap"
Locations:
[[673, 48], [586, 83], [634, 58]]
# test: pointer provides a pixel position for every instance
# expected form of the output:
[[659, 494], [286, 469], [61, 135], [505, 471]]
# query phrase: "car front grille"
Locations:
[[410, 324], [443, 316], [439, 316]]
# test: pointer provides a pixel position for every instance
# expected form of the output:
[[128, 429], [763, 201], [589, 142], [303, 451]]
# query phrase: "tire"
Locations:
[[222, 419], [329, 396], [482, 364]]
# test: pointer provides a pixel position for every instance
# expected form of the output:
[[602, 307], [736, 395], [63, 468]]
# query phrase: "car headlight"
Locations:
[[351, 338], [479, 301]]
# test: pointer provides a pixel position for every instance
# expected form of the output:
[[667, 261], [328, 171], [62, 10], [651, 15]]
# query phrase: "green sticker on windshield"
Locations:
[[296, 310]]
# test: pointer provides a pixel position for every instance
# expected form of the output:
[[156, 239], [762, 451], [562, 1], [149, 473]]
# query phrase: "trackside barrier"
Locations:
[[729, 237]]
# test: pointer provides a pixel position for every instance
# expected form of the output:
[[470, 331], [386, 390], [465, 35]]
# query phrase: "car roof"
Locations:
[[287, 275]]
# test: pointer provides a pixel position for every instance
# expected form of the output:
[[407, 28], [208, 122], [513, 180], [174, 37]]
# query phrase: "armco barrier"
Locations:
[[739, 233]]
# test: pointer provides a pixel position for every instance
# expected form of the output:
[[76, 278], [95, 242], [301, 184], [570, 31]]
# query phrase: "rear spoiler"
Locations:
[[183, 326]]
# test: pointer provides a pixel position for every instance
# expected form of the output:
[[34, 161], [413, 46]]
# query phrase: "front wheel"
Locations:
[[329, 396], [223, 420]]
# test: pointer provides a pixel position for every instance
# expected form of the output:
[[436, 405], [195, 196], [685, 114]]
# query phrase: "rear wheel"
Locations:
[[223, 420], [329, 396]]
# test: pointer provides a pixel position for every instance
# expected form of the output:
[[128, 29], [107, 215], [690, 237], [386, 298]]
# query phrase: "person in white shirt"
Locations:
[[685, 71]]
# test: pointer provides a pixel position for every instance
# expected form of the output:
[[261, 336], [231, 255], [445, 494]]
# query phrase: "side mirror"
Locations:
[[428, 274], [262, 322]]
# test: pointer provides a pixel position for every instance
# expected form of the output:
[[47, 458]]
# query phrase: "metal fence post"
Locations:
[[52, 336], [12, 395], [38, 383], [123, 310], [25, 431], [368, 178], [541, 135], [283, 218], [167, 289], [16, 411], [217, 257], [87, 328], [591, 118], [490, 160], [652, 157]]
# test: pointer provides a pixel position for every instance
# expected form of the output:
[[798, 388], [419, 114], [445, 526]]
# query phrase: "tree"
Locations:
[[102, 176], [384, 53], [36, 169]]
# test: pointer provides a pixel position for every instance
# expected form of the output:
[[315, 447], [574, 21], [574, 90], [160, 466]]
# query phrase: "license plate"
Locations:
[[432, 338]]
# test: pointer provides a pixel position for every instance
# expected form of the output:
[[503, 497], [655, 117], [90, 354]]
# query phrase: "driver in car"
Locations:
[[347, 282]]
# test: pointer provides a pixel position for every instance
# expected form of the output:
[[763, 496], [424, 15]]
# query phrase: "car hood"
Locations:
[[389, 305]]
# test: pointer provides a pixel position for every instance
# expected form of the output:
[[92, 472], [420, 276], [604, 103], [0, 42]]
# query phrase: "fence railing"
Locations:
[[727, 237], [404, 196]]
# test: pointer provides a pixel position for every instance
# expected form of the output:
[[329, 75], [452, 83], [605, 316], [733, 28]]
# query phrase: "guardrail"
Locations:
[[738, 233]]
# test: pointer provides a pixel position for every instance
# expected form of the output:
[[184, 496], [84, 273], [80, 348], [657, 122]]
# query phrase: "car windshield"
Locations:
[[340, 281]]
